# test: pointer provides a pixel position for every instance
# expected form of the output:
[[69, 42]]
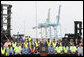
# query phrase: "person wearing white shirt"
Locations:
[[80, 50]]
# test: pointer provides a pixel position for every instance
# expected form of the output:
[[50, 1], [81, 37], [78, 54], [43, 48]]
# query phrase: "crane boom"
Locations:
[[58, 17], [48, 19]]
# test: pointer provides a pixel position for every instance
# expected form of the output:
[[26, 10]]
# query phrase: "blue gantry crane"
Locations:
[[47, 25]]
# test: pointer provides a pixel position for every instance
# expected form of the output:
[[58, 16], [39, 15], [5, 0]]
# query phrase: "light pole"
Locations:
[[36, 16]]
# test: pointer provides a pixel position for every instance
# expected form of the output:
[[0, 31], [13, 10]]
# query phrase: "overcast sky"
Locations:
[[24, 13]]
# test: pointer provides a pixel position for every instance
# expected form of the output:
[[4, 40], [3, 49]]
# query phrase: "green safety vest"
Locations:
[[29, 39], [14, 44], [66, 49], [73, 48], [2, 51], [6, 54], [11, 49], [18, 49], [29, 45], [26, 44], [49, 43], [54, 44], [23, 38], [58, 49], [37, 43], [60, 44]]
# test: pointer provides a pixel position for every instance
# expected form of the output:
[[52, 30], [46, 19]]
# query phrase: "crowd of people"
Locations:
[[33, 47]]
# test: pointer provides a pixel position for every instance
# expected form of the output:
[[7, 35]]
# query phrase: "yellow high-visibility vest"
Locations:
[[49, 43], [29, 39], [26, 44], [14, 44], [23, 38], [60, 44], [73, 48], [29, 45], [2, 50], [59, 49], [18, 49], [54, 44], [37, 43], [66, 49], [6, 54]]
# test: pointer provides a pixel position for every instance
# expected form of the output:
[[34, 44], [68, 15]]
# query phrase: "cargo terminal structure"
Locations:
[[6, 25]]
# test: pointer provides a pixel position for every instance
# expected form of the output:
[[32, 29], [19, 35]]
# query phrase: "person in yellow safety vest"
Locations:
[[9, 50], [65, 49], [3, 50], [29, 39], [51, 49], [17, 49], [54, 43], [59, 49], [60, 42], [14, 44], [49, 42], [37, 42], [23, 38], [73, 49], [25, 43], [31, 43], [26, 38]]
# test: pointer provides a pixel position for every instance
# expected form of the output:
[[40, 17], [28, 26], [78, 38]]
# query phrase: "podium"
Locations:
[[44, 50]]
